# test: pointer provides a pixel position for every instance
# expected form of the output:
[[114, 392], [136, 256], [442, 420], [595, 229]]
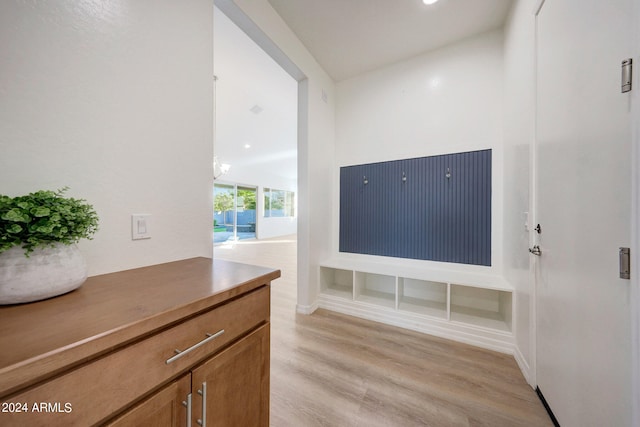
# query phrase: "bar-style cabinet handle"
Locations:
[[187, 404], [203, 392], [180, 353]]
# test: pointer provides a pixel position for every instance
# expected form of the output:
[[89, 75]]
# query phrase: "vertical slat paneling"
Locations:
[[430, 216]]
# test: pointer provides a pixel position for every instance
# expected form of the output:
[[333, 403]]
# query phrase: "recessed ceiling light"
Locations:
[[429, 1], [247, 146], [256, 109]]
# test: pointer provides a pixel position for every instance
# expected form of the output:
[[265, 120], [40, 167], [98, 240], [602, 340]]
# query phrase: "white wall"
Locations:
[[444, 101], [315, 149], [276, 227], [519, 127], [113, 99]]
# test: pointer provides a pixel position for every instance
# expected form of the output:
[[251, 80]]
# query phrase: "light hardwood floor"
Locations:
[[328, 369]]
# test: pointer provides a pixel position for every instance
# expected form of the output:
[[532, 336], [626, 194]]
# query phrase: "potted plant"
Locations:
[[38, 254]]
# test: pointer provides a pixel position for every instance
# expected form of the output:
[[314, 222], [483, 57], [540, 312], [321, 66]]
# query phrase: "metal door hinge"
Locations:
[[625, 263], [536, 250], [627, 65]]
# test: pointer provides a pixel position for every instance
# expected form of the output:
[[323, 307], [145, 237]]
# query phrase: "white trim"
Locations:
[[635, 225], [307, 309], [524, 366], [635, 262], [533, 215], [303, 199], [256, 34]]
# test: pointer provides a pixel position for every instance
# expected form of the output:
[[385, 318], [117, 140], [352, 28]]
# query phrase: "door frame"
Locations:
[[306, 295], [533, 305], [635, 226]]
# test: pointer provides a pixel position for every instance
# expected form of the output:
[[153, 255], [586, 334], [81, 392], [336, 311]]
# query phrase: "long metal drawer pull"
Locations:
[[179, 353], [187, 404], [203, 421]]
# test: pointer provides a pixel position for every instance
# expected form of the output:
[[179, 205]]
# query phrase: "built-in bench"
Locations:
[[475, 308]]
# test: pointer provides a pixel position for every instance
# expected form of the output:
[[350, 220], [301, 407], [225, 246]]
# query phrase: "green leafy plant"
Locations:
[[44, 218]]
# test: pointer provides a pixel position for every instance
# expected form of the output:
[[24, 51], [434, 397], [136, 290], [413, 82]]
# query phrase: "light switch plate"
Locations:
[[140, 226]]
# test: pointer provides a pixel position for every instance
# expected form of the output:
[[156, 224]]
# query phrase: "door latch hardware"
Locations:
[[535, 250], [538, 229], [625, 263], [627, 65]]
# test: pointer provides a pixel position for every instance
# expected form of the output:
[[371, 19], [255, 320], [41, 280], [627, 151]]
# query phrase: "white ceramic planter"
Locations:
[[47, 272]]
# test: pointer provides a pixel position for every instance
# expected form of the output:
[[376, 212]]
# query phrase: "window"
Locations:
[[234, 215], [279, 203]]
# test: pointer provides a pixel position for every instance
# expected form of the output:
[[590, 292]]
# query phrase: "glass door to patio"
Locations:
[[234, 212]]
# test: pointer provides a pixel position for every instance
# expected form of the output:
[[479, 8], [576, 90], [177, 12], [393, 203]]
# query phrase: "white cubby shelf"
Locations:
[[474, 308]]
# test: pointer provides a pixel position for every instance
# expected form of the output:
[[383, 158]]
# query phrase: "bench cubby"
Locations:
[[467, 307]]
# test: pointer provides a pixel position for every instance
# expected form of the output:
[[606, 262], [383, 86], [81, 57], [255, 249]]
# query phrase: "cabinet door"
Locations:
[[163, 409], [234, 385]]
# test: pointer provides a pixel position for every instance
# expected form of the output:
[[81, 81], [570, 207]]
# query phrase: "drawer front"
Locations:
[[93, 392]]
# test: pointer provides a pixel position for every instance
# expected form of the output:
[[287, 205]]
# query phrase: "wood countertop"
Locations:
[[40, 339]]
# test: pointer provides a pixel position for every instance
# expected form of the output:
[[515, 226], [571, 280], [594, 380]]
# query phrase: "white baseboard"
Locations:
[[524, 367], [306, 309]]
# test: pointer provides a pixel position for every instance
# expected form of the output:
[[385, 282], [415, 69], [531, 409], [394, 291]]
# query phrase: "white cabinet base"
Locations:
[[473, 309]]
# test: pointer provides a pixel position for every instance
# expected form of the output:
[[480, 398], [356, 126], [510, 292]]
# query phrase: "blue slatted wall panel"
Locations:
[[428, 216]]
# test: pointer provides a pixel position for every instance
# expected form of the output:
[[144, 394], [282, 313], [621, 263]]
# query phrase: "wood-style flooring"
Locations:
[[328, 369]]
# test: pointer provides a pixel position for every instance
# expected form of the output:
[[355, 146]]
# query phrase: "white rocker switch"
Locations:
[[140, 226]]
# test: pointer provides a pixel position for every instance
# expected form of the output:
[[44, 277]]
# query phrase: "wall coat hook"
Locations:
[[365, 181], [404, 177], [448, 174]]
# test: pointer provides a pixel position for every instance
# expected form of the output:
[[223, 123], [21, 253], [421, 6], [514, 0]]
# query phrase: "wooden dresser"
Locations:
[[184, 343]]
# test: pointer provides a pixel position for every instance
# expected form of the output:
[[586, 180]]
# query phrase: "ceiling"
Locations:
[[256, 108], [350, 37], [347, 38]]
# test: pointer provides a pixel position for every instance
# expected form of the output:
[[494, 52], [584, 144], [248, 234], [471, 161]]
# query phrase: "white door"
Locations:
[[583, 204]]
